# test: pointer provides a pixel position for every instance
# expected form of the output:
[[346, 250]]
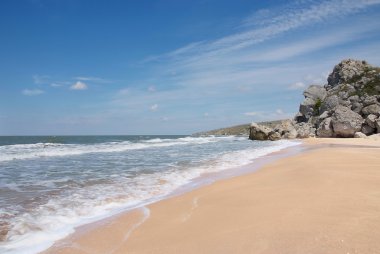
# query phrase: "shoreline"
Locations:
[[175, 216]]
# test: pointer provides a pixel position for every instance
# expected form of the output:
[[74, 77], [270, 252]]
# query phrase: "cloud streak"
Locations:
[[272, 24], [32, 92]]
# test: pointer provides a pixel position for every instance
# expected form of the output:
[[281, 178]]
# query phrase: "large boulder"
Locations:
[[305, 130], [346, 122], [307, 107], [359, 135], [325, 129], [329, 103], [286, 129], [371, 109], [315, 92], [259, 132], [377, 125], [368, 130], [273, 136], [370, 120]]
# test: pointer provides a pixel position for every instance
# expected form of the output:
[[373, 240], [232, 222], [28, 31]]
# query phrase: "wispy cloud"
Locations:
[[154, 107], [93, 79], [297, 86], [272, 24], [151, 89], [78, 86], [41, 79], [238, 59], [278, 113], [123, 91], [32, 92]]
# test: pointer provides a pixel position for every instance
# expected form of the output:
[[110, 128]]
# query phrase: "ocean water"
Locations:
[[50, 185]]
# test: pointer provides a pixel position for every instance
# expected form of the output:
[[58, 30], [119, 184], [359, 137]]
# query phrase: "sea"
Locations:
[[49, 185]]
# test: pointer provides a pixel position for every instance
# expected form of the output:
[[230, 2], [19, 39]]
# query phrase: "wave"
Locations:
[[39, 150]]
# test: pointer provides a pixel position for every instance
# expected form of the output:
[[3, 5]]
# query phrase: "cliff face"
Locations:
[[347, 106]]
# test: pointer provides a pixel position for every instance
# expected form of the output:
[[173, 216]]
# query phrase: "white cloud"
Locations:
[[206, 114], [280, 111], [93, 79], [124, 91], [78, 86], [40, 79], [56, 85], [154, 107], [32, 92], [297, 86]]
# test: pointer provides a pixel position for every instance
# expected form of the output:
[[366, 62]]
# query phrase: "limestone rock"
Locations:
[[377, 125], [307, 107], [325, 129], [357, 107], [345, 71], [259, 132], [371, 109], [329, 103], [359, 135], [315, 92], [369, 100], [324, 115], [368, 130], [273, 136], [286, 129], [370, 120], [305, 130], [346, 122]]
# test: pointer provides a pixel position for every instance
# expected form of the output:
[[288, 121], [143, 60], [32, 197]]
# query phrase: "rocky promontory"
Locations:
[[348, 105]]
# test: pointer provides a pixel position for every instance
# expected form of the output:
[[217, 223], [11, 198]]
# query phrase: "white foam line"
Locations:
[[32, 151]]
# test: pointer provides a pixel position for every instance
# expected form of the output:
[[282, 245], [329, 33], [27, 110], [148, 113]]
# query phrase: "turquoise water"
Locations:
[[50, 185]]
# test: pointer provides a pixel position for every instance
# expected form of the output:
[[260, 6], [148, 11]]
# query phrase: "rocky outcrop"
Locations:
[[283, 130], [347, 106]]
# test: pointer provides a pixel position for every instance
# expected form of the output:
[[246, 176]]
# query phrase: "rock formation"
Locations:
[[347, 106]]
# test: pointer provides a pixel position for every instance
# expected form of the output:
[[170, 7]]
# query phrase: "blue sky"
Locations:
[[169, 66]]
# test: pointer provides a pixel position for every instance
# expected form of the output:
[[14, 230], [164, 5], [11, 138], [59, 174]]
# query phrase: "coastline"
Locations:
[[323, 199]]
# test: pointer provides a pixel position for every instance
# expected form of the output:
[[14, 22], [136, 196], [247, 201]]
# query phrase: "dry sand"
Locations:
[[325, 200]]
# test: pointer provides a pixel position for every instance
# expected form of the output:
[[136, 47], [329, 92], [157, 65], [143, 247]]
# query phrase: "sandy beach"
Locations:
[[323, 200]]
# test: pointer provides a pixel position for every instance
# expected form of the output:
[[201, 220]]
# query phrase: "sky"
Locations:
[[85, 67]]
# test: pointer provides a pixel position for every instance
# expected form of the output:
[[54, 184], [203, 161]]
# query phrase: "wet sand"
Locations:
[[324, 200]]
